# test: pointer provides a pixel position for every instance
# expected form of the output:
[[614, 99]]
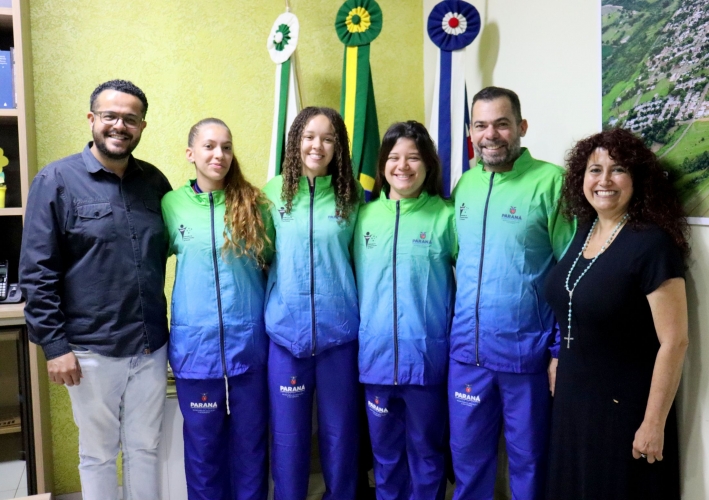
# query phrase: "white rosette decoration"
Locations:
[[452, 26], [281, 45]]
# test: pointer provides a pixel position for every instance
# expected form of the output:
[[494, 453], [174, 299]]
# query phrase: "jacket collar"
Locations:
[[321, 184], [521, 165], [203, 198], [406, 204]]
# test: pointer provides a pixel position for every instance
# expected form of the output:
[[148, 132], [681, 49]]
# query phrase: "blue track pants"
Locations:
[[479, 400], [225, 455], [407, 426], [292, 382]]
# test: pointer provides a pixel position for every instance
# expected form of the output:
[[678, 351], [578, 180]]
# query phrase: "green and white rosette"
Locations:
[[358, 23], [281, 45]]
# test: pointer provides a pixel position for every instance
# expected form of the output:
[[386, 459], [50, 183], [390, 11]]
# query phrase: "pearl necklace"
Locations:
[[569, 338]]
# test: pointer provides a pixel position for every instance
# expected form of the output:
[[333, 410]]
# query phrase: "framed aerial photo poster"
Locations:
[[656, 83]]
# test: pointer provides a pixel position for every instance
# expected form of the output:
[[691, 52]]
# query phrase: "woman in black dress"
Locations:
[[619, 296]]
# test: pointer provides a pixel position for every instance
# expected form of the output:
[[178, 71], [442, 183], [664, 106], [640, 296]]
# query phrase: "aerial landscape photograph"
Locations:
[[656, 83]]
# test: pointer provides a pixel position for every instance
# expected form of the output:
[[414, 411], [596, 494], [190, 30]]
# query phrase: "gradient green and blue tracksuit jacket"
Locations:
[[311, 301], [404, 254], [510, 234], [217, 325]]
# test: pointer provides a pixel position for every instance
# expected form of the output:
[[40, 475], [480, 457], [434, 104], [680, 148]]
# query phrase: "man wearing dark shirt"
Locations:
[[92, 268]]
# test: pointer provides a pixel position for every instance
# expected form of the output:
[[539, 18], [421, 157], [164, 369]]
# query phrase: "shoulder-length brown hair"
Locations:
[[654, 197], [415, 131], [245, 230], [340, 167]]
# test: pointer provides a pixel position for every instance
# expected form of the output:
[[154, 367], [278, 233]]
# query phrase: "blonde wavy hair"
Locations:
[[245, 229]]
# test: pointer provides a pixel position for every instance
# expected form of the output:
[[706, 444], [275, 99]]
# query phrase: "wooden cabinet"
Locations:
[[17, 139], [24, 398]]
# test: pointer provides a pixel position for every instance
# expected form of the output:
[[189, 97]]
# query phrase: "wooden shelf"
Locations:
[[5, 17], [11, 211], [10, 415], [8, 115], [12, 314], [15, 24], [9, 335], [11, 429]]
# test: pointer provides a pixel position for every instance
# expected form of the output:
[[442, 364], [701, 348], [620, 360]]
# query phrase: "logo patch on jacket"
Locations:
[[285, 217], [422, 239], [377, 410], [185, 232], [512, 216], [462, 212], [466, 398], [204, 405], [293, 390], [369, 240]]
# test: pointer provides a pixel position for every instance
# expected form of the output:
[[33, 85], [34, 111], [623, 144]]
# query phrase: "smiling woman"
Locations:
[[607, 185], [404, 250], [311, 312], [218, 345], [619, 296]]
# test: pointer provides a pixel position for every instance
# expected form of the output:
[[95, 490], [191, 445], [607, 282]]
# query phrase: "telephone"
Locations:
[[3, 280], [9, 293]]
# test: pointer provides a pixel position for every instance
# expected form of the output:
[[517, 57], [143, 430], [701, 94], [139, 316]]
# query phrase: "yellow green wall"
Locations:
[[193, 59]]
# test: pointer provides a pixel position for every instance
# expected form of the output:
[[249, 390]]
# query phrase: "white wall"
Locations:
[[548, 51], [693, 396]]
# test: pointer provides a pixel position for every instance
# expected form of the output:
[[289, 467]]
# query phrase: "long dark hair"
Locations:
[[654, 197], [415, 131], [340, 167]]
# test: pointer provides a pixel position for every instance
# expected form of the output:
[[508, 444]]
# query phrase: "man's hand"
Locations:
[[65, 370], [552, 374]]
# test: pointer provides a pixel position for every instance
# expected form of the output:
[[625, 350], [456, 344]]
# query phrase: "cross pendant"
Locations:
[[568, 340]]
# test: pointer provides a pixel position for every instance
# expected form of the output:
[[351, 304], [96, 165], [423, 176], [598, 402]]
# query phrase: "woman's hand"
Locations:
[[551, 371], [649, 441]]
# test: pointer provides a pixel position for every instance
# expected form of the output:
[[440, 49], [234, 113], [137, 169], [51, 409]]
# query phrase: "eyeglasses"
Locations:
[[111, 118]]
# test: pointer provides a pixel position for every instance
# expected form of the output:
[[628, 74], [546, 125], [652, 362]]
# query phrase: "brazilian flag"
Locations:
[[358, 23]]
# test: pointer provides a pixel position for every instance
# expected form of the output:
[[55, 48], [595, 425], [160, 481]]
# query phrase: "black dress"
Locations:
[[603, 379]]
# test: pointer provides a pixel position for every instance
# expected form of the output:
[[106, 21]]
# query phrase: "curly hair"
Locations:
[[340, 167], [654, 199], [415, 131], [245, 229]]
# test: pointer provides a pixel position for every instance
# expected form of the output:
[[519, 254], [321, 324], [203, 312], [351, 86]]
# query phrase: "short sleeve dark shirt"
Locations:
[[92, 265], [614, 338]]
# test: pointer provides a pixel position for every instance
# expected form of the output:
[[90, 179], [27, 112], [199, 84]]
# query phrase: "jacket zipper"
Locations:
[[312, 265], [396, 309], [219, 294], [480, 274]]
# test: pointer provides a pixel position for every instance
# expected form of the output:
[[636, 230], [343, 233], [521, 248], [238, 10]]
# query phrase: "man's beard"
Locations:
[[513, 152], [100, 142]]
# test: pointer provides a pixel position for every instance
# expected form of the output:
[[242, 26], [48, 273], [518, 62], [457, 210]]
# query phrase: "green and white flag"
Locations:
[[281, 45]]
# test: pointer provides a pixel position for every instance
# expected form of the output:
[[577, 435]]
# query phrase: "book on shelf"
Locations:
[[7, 91]]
